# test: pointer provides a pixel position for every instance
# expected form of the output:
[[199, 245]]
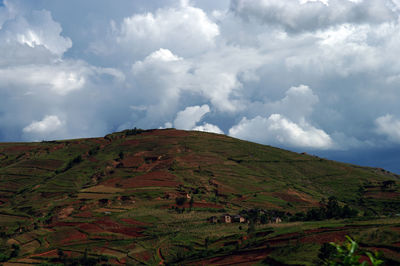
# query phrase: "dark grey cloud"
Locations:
[[306, 15]]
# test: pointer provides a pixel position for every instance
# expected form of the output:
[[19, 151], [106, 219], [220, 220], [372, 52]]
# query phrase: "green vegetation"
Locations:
[[124, 199], [346, 254]]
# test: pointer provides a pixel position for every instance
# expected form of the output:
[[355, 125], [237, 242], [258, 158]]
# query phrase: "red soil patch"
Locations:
[[48, 254], [64, 213], [4, 200], [152, 179], [168, 132], [133, 222], [389, 253], [73, 236], [85, 214], [19, 148], [91, 228], [54, 254], [107, 223], [383, 195], [99, 141], [145, 255], [58, 147], [50, 164], [131, 142], [132, 161], [194, 160], [325, 237], [295, 196], [197, 205], [93, 160], [64, 224], [111, 226], [116, 262], [135, 232], [206, 205], [239, 258]]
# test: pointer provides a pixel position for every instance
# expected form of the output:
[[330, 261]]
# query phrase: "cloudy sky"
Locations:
[[321, 76]]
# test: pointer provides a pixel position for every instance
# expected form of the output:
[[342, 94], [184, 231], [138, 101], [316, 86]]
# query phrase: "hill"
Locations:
[[144, 197]]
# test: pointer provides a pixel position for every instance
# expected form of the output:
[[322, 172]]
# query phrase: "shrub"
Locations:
[[180, 201], [3, 257], [347, 255]]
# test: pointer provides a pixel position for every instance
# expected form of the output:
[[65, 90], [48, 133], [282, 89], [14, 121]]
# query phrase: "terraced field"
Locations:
[[144, 197]]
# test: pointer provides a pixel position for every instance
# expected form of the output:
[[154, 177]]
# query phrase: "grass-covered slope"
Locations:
[[117, 196]]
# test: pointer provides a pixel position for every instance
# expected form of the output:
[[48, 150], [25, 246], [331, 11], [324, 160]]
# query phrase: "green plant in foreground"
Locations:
[[346, 255]]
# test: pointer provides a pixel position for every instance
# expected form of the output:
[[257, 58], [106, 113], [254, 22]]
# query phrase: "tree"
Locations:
[[206, 242], [333, 209], [180, 201], [326, 252], [15, 251], [191, 202]]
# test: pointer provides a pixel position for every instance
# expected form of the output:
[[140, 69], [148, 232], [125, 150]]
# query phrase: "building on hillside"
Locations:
[[226, 218], [275, 220], [213, 219], [238, 219]]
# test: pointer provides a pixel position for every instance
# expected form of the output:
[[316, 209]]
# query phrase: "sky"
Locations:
[[316, 76]]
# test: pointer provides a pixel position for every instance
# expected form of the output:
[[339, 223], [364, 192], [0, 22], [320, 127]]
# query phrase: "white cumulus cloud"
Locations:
[[278, 130], [188, 118], [35, 29], [48, 124], [207, 127], [184, 29]]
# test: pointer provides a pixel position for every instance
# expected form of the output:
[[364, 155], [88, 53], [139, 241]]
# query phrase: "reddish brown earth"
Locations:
[[61, 224], [325, 237], [389, 253], [18, 148], [73, 236], [198, 205], [132, 161], [239, 258], [54, 254], [152, 179], [169, 133], [116, 262], [85, 214], [91, 228], [133, 222], [383, 195], [145, 255], [111, 226], [131, 142], [47, 254]]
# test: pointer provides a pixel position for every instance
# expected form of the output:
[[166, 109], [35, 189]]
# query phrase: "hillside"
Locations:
[[144, 196]]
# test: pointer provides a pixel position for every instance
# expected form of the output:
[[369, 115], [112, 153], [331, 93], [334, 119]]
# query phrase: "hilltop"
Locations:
[[144, 196]]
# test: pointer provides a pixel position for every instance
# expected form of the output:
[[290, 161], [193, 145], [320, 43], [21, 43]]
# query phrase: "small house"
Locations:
[[226, 218], [275, 220], [238, 219], [213, 219]]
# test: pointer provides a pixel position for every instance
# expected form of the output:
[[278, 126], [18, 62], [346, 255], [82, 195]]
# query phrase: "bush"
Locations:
[[3, 257], [347, 255]]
